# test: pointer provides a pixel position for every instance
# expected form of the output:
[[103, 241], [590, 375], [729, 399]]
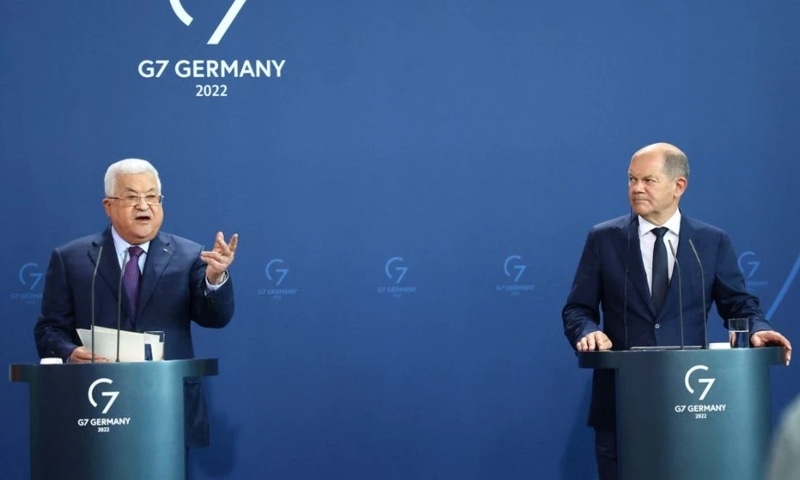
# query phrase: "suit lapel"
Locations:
[[631, 254], [108, 270], [685, 258], [685, 254], [158, 257], [683, 271]]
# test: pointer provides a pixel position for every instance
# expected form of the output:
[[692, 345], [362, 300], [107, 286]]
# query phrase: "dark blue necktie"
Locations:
[[660, 268], [131, 278]]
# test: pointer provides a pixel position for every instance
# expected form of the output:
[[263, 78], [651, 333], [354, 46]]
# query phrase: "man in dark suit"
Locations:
[[624, 276], [177, 283]]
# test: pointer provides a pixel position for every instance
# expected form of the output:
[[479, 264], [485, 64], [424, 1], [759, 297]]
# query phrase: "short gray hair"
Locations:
[[675, 162], [129, 166]]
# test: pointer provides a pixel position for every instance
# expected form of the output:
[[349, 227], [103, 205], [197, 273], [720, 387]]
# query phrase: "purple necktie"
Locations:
[[131, 277]]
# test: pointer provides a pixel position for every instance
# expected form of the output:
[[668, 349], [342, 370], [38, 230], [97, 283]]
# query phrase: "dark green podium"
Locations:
[[120, 421], [691, 414]]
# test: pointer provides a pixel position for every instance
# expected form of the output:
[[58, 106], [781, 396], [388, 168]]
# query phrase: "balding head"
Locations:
[[675, 162], [657, 178]]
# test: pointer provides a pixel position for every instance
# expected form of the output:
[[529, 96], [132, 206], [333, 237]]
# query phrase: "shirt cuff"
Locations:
[[211, 287]]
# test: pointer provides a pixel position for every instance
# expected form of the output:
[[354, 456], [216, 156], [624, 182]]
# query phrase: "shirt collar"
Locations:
[[673, 224], [121, 245]]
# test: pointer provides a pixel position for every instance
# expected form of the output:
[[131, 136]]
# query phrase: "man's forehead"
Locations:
[[645, 163], [128, 180]]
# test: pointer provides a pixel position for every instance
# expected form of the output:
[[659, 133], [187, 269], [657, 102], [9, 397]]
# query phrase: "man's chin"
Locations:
[[148, 237], [144, 236]]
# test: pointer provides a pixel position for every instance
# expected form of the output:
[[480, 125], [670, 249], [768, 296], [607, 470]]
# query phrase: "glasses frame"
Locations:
[[126, 200]]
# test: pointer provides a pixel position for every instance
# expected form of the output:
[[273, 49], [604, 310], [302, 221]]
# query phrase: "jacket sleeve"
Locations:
[[581, 314], [54, 332], [730, 291], [210, 308]]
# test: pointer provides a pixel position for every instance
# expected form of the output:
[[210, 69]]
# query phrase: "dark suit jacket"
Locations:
[[610, 283], [172, 295]]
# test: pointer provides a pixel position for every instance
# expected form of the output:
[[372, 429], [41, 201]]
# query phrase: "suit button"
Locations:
[[658, 325]]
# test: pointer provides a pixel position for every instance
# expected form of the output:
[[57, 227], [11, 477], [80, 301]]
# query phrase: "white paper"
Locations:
[[131, 344]]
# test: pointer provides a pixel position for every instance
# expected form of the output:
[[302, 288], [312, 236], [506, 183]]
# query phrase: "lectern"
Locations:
[[121, 421], [691, 414]]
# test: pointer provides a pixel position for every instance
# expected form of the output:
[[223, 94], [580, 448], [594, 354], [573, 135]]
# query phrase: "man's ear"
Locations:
[[681, 183], [107, 206]]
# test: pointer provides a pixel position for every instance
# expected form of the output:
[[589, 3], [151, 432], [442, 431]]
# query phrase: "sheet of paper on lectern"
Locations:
[[131, 344]]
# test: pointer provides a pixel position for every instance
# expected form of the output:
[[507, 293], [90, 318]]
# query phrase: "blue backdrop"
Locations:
[[412, 183]]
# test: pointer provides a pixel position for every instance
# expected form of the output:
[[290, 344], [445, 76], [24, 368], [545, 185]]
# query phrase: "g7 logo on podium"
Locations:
[[708, 381], [223, 26], [113, 395]]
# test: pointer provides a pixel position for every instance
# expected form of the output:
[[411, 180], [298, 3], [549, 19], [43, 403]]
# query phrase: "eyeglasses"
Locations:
[[133, 200]]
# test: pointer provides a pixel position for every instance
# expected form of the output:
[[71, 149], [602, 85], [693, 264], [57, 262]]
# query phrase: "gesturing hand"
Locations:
[[219, 258]]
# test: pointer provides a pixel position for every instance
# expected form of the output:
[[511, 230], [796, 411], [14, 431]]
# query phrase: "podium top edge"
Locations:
[[612, 359], [25, 372]]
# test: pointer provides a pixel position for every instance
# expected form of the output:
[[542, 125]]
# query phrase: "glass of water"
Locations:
[[739, 332]]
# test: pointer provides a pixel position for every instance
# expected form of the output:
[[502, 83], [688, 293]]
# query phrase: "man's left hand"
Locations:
[[772, 338], [220, 258]]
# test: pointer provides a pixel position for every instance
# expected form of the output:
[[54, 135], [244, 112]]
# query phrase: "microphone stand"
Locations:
[[94, 277], [680, 291], [125, 260]]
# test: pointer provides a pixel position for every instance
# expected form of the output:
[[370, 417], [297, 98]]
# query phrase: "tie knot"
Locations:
[[659, 232], [135, 250]]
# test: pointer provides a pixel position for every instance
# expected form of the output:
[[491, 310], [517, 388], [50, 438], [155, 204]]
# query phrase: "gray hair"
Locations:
[[129, 166], [675, 162]]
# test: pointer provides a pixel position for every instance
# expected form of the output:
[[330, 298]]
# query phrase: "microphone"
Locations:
[[703, 291], [625, 288], [125, 260], [94, 277], [680, 290]]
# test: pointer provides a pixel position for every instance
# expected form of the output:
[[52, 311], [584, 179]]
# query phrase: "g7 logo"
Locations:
[[708, 381], [223, 26], [519, 268], [401, 269], [281, 271], [752, 265], [113, 395], [36, 276]]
